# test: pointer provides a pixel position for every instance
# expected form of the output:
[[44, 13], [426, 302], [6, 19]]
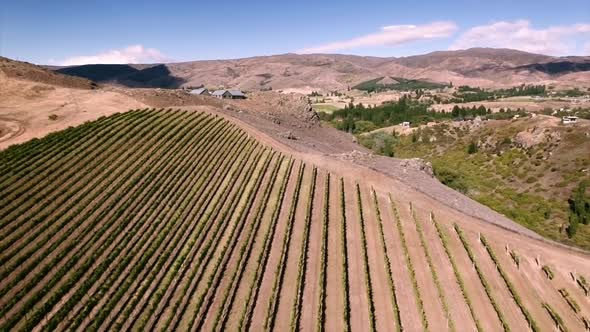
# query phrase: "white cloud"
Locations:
[[130, 54], [389, 36], [520, 35]]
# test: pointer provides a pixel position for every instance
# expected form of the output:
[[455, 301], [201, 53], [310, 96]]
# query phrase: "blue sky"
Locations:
[[71, 32]]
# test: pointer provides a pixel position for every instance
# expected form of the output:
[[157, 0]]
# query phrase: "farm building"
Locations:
[[200, 92], [406, 124], [229, 94], [569, 119]]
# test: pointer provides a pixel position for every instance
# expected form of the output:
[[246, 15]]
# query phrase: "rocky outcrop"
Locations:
[[288, 135], [419, 165], [534, 136]]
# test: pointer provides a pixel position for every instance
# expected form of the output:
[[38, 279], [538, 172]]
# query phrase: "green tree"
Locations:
[[472, 148], [388, 149], [363, 126], [451, 179], [579, 204]]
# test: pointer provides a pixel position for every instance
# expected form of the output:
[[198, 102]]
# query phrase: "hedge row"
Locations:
[[367, 271], [439, 288], [548, 272], [409, 265], [387, 262], [254, 289], [556, 318], [303, 256], [482, 279], [527, 315], [445, 243], [273, 302], [344, 249], [320, 325]]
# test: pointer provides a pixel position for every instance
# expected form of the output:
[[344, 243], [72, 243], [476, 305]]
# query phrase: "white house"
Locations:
[[229, 94], [200, 92], [406, 124], [569, 119], [237, 94]]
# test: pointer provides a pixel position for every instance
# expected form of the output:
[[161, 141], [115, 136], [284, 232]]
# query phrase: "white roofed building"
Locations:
[[229, 94], [200, 92]]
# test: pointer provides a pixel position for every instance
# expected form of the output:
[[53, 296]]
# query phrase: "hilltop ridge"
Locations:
[[486, 67]]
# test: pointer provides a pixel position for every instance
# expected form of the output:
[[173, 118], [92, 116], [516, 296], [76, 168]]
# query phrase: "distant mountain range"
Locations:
[[484, 67]]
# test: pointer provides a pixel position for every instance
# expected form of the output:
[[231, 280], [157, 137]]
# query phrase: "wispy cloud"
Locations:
[[392, 35], [520, 35], [130, 54]]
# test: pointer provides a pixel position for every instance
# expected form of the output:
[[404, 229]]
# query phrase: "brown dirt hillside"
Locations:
[[31, 109], [464, 61], [24, 70], [477, 67]]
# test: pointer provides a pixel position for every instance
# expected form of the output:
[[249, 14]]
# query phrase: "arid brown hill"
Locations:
[[476, 66], [27, 71]]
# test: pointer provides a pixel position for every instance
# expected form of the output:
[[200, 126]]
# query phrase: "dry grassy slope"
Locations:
[[465, 60], [524, 169], [29, 95], [485, 67], [278, 72], [477, 67], [24, 70]]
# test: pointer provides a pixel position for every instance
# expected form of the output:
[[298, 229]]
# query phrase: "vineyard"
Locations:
[[167, 220]]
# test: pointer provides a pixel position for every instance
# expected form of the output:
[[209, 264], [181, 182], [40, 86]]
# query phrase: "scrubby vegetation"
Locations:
[[579, 209], [548, 272], [581, 280], [574, 92], [536, 184], [559, 324], [570, 300], [466, 94], [583, 113], [357, 118], [401, 84], [515, 258]]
